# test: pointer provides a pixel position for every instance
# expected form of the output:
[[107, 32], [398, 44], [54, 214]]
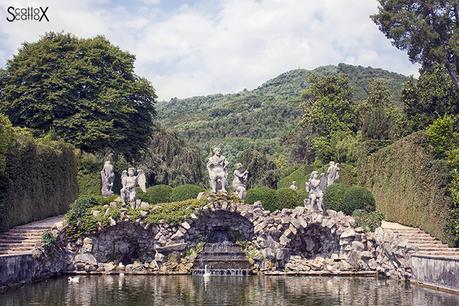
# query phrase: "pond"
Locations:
[[220, 290]]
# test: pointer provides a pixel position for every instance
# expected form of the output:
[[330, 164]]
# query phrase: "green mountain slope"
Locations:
[[259, 118]]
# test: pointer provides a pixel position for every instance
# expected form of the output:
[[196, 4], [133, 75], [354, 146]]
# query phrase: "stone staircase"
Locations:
[[23, 239], [426, 244]]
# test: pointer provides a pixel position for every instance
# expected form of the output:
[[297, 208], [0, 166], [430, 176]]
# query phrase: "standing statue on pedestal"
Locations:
[[240, 181], [108, 176], [332, 173], [218, 171], [315, 197], [129, 181]]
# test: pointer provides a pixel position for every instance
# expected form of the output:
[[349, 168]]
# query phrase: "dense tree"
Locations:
[[265, 119], [431, 97], [262, 171], [427, 29], [169, 160], [83, 90], [328, 105], [375, 123]]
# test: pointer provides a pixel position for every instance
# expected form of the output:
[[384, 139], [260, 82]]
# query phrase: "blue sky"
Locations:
[[200, 47]]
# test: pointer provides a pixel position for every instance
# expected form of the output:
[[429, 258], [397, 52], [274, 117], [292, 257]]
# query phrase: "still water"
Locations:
[[221, 290]]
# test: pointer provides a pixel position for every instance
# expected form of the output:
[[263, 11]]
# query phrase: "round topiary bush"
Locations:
[[287, 198], [357, 197], [185, 192], [156, 194], [334, 196], [265, 195]]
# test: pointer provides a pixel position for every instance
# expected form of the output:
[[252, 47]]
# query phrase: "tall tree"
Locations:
[[431, 97], [427, 29], [262, 171], [83, 90], [328, 106], [375, 123]]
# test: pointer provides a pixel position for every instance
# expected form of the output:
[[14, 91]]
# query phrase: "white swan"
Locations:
[[74, 280], [121, 274]]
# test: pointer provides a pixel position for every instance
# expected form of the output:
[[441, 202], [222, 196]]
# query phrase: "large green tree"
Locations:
[[82, 90], [427, 29], [375, 122], [262, 171], [432, 96], [328, 105]]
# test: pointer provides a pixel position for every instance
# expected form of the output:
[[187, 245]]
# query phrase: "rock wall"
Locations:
[[291, 240], [436, 271], [393, 254], [30, 267]]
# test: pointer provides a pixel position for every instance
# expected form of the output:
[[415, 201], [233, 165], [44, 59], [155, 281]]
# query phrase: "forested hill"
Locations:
[[259, 118]]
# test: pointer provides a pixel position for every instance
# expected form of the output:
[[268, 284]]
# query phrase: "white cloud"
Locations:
[[238, 44]]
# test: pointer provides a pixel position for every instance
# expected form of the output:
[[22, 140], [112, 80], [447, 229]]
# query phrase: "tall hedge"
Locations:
[[39, 181], [409, 185]]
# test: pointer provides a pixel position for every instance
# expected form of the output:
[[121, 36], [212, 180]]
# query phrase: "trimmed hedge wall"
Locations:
[[39, 181], [409, 186]]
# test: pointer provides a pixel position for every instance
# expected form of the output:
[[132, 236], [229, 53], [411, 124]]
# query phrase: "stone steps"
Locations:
[[23, 239], [426, 244]]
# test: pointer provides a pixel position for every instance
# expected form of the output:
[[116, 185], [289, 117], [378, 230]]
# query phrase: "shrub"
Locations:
[[441, 135], [77, 218], [357, 197], [371, 220], [174, 212], [286, 198], [101, 200], [334, 196], [266, 195], [156, 194], [453, 159], [185, 192]]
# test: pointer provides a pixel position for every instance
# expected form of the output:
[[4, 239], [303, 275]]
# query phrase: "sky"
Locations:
[[200, 47]]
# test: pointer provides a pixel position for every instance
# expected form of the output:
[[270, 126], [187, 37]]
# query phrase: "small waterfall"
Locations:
[[222, 257]]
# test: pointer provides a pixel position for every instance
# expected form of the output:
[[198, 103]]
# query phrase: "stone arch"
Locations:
[[311, 241], [213, 225], [124, 242]]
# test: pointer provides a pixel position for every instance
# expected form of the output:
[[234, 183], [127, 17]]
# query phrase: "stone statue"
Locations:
[[218, 171], [108, 176], [315, 197], [240, 181], [129, 181], [332, 173], [293, 186]]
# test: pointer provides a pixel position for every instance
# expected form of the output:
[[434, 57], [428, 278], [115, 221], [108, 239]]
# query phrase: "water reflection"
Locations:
[[194, 290]]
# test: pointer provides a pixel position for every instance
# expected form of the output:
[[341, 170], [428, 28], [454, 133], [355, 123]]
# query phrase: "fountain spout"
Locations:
[[206, 272]]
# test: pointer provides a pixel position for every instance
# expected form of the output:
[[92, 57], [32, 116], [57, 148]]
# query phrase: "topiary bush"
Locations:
[[357, 197], [185, 192], [286, 198], [334, 196], [266, 195], [371, 220], [156, 194]]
